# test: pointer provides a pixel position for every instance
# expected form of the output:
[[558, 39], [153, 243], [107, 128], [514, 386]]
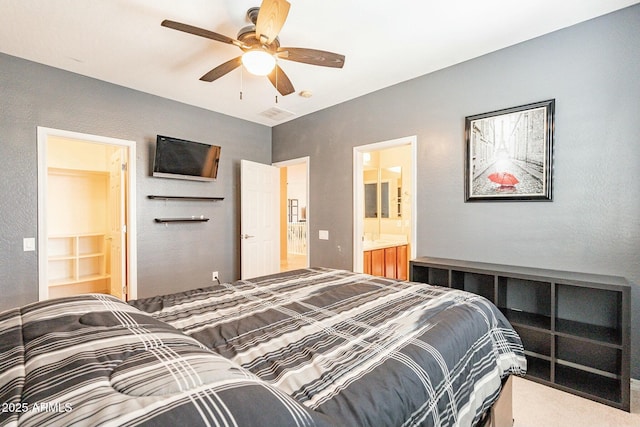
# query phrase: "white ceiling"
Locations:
[[385, 42]]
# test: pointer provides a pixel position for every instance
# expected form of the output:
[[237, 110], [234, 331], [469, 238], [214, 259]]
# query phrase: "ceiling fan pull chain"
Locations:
[[276, 82], [240, 83]]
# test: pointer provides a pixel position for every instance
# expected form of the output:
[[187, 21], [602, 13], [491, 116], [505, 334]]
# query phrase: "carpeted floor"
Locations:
[[535, 405]]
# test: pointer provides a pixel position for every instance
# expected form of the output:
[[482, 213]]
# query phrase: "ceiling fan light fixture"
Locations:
[[258, 62]]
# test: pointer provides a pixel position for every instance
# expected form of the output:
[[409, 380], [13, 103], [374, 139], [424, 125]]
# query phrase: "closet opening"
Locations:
[[86, 215]]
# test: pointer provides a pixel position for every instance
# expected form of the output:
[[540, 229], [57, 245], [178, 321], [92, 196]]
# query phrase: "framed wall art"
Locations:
[[509, 154]]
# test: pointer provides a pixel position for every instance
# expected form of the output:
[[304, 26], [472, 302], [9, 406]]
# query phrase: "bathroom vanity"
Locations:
[[386, 258]]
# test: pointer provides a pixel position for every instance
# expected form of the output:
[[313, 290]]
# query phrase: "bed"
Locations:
[[312, 347]]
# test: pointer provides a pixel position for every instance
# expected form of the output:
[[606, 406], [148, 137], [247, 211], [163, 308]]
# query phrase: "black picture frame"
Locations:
[[509, 154]]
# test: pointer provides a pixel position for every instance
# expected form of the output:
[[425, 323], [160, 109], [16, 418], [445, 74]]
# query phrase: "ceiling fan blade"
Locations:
[[222, 69], [280, 81], [271, 18], [312, 56], [200, 32]]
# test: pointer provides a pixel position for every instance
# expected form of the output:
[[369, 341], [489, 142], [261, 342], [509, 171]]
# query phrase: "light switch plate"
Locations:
[[29, 244], [323, 234]]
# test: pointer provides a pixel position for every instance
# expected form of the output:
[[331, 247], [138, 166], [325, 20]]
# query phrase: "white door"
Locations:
[[116, 224], [259, 219]]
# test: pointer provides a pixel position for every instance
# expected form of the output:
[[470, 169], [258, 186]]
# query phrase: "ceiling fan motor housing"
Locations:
[[247, 36]]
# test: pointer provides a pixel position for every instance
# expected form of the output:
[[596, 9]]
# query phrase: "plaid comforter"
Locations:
[[94, 360], [362, 350], [315, 347]]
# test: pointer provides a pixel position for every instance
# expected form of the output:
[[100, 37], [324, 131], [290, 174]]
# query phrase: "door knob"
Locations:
[[246, 236]]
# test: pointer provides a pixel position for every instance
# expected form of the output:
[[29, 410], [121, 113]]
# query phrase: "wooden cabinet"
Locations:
[[377, 262], [388, 262], [575, 327], [402, 264], [367, 262]]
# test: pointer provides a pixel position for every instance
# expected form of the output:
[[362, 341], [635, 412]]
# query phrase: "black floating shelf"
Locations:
[[204, 199], [165, 220]]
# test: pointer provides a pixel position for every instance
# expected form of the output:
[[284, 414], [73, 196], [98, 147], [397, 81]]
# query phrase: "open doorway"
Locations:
[[384, 219], [86, 215], [294, 213]]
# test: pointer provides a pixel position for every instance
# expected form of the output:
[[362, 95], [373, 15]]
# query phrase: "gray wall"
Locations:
[[593, 224], [170, 259]]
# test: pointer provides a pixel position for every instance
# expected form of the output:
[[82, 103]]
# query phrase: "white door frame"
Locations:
[[358, 194], [307, 162], [132, 258]]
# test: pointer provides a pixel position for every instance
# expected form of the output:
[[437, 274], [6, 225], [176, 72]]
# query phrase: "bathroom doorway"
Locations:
[[294, 213], [384, 219]]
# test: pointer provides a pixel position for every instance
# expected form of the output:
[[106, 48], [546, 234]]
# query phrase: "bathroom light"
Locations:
[[258, 62]]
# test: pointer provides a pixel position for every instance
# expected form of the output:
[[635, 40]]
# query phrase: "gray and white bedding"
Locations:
[[94, 360], [315, 347], [363, 350]]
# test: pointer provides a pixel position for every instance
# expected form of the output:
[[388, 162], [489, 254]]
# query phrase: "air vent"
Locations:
[[277, 114]]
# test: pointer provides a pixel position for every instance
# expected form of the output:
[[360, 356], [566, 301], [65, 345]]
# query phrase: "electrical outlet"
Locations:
[[214, 276]]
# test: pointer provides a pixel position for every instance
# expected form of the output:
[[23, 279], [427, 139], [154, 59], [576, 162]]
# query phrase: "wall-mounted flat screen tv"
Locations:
[[181, 159]]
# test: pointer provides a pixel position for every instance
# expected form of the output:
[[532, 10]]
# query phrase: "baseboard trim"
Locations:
[[635, 384]]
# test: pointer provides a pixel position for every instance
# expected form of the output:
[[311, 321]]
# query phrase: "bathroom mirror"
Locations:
[[383, 192]]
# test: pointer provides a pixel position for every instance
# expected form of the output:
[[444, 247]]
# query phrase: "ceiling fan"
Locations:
[[260, 46]]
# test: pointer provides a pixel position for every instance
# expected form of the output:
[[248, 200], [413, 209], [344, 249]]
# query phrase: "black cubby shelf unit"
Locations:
[[575, 327]]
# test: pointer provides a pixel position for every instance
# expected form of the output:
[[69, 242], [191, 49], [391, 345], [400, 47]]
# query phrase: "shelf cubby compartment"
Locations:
[[420, 274], [76, 258], [538, 368], [61, 270], [524, 318], [90, 245], [61, 247], [599, 359], [438, 276], [525, 302], [536, 342], [90, 268], [598, 321], [477, 283], [588, 384]]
